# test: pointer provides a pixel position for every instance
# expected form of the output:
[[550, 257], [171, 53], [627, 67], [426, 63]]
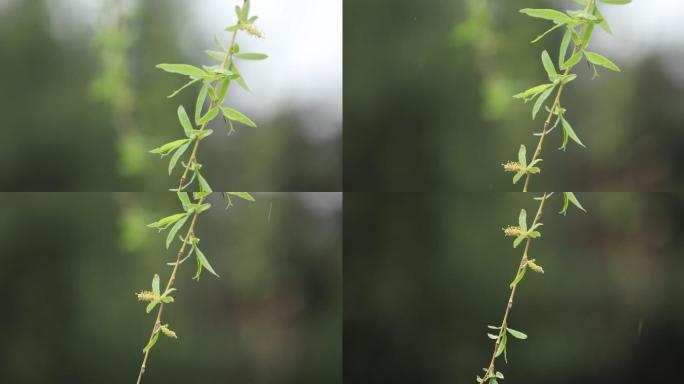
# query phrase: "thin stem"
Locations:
[[556, 103], [169, 284], [228, 58], [523, 263]]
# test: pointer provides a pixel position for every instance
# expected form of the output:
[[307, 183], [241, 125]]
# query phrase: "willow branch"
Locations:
[[509, 305], [169, 285], [556, 103]]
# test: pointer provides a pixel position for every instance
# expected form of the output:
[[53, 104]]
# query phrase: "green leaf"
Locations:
[[152, 342], [205, 263], [184, 199], [570, 132], [167, 221], [540, 101], [602, 61], [225, 83], [242, 195], [203, 183], [573, 199], [530, 93], [199, 105], [236, 115], [185, 121], [177, 91], [522, 220], [604, 23], [183, 69], [502, 346], [151, 306], [548, 65], [522, 156], [216, 55], [492, 336], [548, 14], [517, 176], [587, 35], [517, 241], [492, 380], [176, 227], [573, 60], [211, 115], [565, 43], [517, 334], [155, 285], [176, 156], [168, 147], [519, 276], [240, 80], [547, 32], [251, 56]]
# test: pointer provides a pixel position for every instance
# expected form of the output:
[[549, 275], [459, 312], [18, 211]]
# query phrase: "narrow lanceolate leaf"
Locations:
[[216, 55], [177, 91], [185, 121], [205, 262], [570, 132], [573, 60], [204, 185], [517, 334], [236, 115], [530, 93], [540, 101], [184, 198], [502, 346], [168, 147], [243, 195], [548, 65], [520, 275], [602, 61], [522, 220], [209, 116], [152, 342], [522, 156], [155, 285], [565, 43], [251, 56], [183, 69], [167, 221], [548, 14], [573, 199], [176, 156], [547, 32], [199, 105], [176, 227]]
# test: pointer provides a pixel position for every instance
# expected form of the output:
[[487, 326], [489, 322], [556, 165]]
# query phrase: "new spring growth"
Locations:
[[578, 26], [214, 81], [520, 167], [524, 231]]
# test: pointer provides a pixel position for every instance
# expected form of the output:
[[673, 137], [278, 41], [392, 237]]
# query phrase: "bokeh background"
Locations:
[[428, 106], [82, 102], [71, 263], [426, 273]]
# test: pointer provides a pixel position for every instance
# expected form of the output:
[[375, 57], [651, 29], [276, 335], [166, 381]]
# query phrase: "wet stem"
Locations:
[[556, 104], [523, 261], [193, 156]]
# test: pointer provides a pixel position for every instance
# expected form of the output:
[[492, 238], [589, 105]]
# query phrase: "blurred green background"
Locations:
[[428, 106], [71, 263], [426, 273], [82, 102]]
